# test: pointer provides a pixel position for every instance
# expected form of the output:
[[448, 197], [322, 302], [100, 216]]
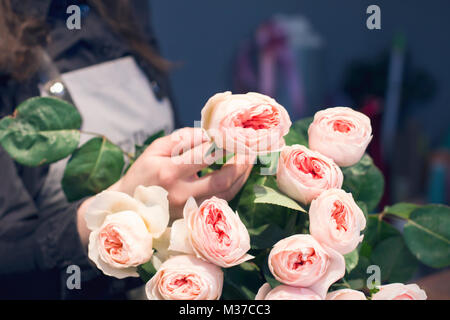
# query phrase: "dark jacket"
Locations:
[[35, 246]]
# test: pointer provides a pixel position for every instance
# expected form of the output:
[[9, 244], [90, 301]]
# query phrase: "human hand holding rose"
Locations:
[[188, 253]]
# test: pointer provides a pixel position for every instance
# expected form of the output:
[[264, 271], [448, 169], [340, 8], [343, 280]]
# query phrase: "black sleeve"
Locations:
[[28, 241]]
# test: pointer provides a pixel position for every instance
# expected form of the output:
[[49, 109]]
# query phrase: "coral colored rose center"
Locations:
[[305, 258], [259, 117], [309, 166], [215, 218], [113, 245], [338, 215], [343, 126], [184, 285]]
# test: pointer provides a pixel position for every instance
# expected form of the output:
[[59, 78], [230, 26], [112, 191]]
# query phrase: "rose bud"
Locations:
[[336, 220], [249, 123], [346, 294], [283, 292], [123, 228], [400, 291], [341, 134], [304, 174], [185, 278], [212, 232], [301, 261]]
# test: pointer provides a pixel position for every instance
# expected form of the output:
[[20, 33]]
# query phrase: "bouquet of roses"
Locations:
[[301, 228]]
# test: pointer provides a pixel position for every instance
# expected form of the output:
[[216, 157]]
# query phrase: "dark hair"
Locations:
[[22, 36]]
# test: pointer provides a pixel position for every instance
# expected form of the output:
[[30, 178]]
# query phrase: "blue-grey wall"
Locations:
[[205, 34]]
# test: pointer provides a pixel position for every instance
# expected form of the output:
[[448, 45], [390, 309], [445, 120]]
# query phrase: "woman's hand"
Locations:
[[165, 164]]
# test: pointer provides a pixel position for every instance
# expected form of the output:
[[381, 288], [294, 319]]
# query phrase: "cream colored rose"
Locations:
[[185, 278], [212, 232], [346, 294], [341, 134], [400, 291], [245, 123], [336, 220], [283, 292], [304, 174], [301, 261], [124, 227]]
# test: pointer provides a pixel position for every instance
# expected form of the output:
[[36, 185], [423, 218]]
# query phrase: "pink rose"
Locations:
[[121, 244], [123, 228], [245, 123], [283, 292], [304, 174], [185, 278], [341, 134], [213, 232], [346, 294], [301, 261], [400, 291], [336, 220]]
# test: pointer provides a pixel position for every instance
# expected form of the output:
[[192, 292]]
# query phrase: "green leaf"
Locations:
[[146, 271], [266, 236], [357, 277], [378, 230], [351, 260], [396, 263], [253, 214], [356, 284], [41, 131], [268, 195], [402, 209], [427, 235], [241, 282], [365, 181], [298, 133], [93, 168]]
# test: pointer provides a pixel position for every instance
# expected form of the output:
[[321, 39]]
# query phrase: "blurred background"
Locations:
[[310, 55]]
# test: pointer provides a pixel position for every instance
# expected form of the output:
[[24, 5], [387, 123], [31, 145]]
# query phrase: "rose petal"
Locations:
[[179, 237], [263, 291], [335, 271], [105, 203]]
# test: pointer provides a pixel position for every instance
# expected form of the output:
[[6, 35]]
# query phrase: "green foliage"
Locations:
[[92, 168], [298, 133], [365, 181], [253, 214], [396, 263], [146, 271], [41, 131], [377, 230], [268, 195], [351, 260], [427, 235], [402, 210], [266, 236], [241, 282]]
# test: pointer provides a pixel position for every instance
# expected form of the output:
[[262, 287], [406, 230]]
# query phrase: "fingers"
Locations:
[[226, 181], [178, 142], [194, 160], [236, 187]]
